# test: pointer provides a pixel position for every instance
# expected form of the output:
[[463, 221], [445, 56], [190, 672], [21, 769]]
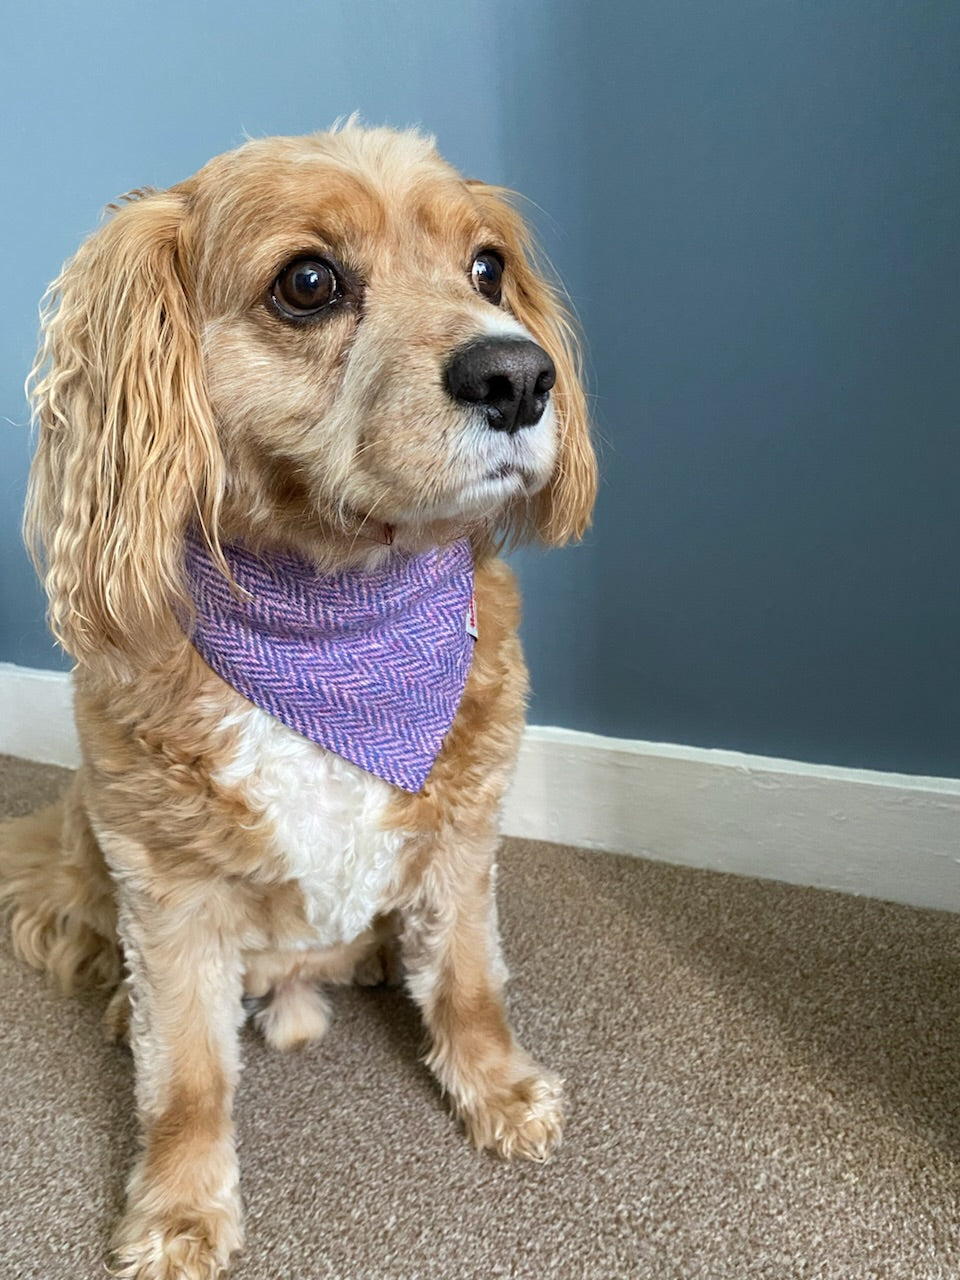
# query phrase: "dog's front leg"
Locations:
[[450, 945], [183, 1210]]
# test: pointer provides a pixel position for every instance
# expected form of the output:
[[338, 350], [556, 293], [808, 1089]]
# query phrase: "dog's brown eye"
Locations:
[[487, 275], [305, 287]]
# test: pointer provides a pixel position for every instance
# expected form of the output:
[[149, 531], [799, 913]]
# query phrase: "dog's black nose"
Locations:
[[509, 379]]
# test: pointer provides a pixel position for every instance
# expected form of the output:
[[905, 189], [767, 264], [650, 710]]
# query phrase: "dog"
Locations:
[[289, 411]]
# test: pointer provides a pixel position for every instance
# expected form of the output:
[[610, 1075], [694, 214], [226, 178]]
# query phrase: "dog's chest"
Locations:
[[324, 817]]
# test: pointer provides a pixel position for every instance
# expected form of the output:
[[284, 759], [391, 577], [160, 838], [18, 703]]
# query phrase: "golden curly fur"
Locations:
[[171, 389]]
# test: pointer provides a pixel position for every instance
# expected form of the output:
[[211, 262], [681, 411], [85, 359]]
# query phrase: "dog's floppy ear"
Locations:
[[563, 509], [127, 453]]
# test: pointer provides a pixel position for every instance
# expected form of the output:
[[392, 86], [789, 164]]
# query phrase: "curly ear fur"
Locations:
[[563, 509], [126, 450]]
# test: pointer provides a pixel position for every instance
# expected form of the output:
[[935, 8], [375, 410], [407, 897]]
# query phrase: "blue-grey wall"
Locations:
[[755, 208]]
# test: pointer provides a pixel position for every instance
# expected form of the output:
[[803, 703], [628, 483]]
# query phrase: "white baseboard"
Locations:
[[882, 835], [36, 715]]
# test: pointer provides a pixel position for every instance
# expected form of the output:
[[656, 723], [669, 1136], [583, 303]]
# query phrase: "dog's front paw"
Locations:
[[185, 1246], [519, 1117]]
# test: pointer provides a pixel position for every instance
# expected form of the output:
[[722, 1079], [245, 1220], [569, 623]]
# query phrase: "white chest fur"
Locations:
[[325, 815]]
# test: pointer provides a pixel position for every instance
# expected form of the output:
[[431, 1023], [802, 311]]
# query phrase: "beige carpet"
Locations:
[[763, 1081]]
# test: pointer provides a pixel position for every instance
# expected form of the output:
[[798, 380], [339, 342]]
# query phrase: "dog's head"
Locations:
[[322, 344]]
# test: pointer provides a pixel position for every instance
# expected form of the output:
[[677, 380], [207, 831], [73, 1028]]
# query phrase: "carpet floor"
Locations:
[[763, 1082]]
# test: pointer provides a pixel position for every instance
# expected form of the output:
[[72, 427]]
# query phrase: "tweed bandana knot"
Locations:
[[370, 665]]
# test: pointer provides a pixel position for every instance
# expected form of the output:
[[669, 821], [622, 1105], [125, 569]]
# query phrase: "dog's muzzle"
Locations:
[[507, 379]]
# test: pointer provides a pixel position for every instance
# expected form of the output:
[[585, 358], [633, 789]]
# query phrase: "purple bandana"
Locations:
[[371, 666]]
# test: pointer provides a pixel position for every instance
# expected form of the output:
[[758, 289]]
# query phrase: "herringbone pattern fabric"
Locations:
[[370, 665]]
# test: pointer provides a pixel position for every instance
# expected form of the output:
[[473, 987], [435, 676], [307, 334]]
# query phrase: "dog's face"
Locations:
[[324, 343], [360, 339]]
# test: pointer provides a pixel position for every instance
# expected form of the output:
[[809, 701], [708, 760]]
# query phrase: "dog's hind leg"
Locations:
[[284, 988], [55, 884]]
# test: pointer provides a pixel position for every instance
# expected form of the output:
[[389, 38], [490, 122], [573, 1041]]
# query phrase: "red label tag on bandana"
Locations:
[[471, 620]]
